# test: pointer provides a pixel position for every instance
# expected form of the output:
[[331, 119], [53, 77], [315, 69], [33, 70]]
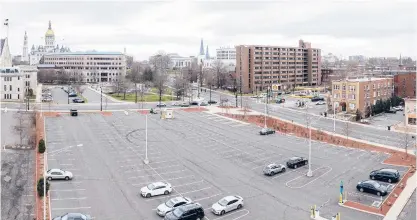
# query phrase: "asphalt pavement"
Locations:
[[204, 157]]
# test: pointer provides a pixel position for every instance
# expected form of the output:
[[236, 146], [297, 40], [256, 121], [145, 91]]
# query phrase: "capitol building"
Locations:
[[37, 52]]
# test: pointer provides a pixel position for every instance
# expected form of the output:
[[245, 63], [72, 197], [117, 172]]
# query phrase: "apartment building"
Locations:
[[92, 67], [405, 84], [359, 93], [261, 66]]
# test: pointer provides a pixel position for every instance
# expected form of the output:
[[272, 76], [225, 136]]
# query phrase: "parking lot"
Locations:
[[387, 119], [205, 157]]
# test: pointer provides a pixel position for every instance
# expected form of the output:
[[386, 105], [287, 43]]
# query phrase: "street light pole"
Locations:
[[146, 161], [334, 117], [310, 172], [210, 94], [101, 98], [265, 114]]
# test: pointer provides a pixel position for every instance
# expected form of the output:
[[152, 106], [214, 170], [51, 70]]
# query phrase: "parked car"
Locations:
[[194, 103], [398, 108], [160, 105], [296, 162], [72, 94], [371, 186], [386, 175], [203, 104], [154, 189], [73, 216], [186, 212], [391, 110], [73, 112], [266, 131], [171, 204], [320, 103], [227, 204], [184, 104], [316, 99], [58, 174], [175, 104], [211, 102], [273, 169], [78, 100]]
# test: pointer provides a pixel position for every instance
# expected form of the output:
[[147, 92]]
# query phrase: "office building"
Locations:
[[259, 67], [15, 82], [90, 67], [360, 93]]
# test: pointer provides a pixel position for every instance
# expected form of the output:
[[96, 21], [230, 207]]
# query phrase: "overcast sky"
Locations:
[[370, 28]]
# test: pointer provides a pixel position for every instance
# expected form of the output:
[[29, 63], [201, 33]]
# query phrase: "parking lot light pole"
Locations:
[[334, 117], [101, 98], [309, 172], [146, 160]]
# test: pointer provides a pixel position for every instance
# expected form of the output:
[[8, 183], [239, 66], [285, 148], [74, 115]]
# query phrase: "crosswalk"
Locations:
[[224, 120]]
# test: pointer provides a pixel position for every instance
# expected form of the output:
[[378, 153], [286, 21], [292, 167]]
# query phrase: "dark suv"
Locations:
[[387, 175], [192, 211], [296, 162]]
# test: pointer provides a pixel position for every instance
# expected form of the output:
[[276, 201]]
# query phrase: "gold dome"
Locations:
[[49, 32]]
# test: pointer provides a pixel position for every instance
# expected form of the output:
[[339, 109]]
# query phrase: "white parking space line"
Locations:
[[156, 174], [66, 190], [234, 212], [208, 197], [181, 193], [156, 168], [75, 198], [146, 183], [187, 184], [287, 172], [73, 208]]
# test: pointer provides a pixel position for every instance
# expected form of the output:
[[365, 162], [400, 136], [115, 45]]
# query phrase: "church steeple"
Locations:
[[50, 28], [207, 53], [401, 61], [25, 48], [201, 47]]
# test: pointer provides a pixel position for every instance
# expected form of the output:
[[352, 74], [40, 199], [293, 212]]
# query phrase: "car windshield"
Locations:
[[376, 185], [170, 203], [151, 186], [223, 202], [178, 212]]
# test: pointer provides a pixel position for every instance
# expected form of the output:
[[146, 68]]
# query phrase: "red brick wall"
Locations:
[[405, 85]]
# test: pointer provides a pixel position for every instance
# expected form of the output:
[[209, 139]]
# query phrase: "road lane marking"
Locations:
[[156, 174]]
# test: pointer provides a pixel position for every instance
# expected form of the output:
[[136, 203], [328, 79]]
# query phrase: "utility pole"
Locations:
[[199, 78], [210, 95], [241, 102], [101, 98]]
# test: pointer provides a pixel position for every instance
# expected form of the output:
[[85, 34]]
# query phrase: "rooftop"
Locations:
[[362, 79], [86, 53]]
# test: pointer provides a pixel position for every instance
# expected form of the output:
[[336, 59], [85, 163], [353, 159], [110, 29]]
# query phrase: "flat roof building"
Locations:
[[260, 66]]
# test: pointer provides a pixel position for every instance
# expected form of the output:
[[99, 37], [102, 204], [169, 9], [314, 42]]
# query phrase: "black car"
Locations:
[[75, 216], [192, 211], [78, 100], [266, 131], [160, 105], [296, 162], [386, 175], [73, 112], [391, 110], [373, 187], [316, 99], [211, 102]]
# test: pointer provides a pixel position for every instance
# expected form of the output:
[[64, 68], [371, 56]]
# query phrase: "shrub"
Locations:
[[39, 187], [42, 147]]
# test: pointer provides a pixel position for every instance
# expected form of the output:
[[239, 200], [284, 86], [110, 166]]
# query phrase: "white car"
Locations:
[[168, 206], [398, 108], [157, 188], [58, 174], [227, 204], [320, 103]]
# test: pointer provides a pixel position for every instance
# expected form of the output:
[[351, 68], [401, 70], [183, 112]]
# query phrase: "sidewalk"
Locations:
[[38, 93], [402, 200]]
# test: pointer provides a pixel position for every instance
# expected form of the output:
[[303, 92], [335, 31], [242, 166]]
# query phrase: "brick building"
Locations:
[[260, 67], [405, 84], [352, 94]]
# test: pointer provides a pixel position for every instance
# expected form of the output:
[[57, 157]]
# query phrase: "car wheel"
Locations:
[[148, 195], [239, 206], [305, 163], [389, 180], [361, 189], [378, 194], [166, 192], [222, 212], [49, 178], [283, 170], [66, 178], [372, 177], [295, 166], [198, 218]]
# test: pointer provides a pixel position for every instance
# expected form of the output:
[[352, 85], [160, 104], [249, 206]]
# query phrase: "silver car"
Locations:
[[273, 169], [58, 174]]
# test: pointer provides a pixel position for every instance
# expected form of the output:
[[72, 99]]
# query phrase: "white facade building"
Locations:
[[93, 67], [36, 53], [12, 84], [227, 55], [179, 62], [30, 77]]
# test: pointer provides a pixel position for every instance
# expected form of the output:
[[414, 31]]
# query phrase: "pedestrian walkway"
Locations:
[[105, 95], [39, 93], [402, 200]]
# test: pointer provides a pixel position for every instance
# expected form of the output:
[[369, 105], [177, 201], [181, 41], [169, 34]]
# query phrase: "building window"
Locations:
[[10, 87], [5, 88], [18, 96], [18, 89], [352, 106]]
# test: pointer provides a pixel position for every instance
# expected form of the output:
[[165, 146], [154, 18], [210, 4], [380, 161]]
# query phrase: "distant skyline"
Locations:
[[371, 28]]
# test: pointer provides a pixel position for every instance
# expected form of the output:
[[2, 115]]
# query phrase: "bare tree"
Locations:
[[407, 140], [160, 63], [220, 72], [23, 126], [346, 130], [136, 77]]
